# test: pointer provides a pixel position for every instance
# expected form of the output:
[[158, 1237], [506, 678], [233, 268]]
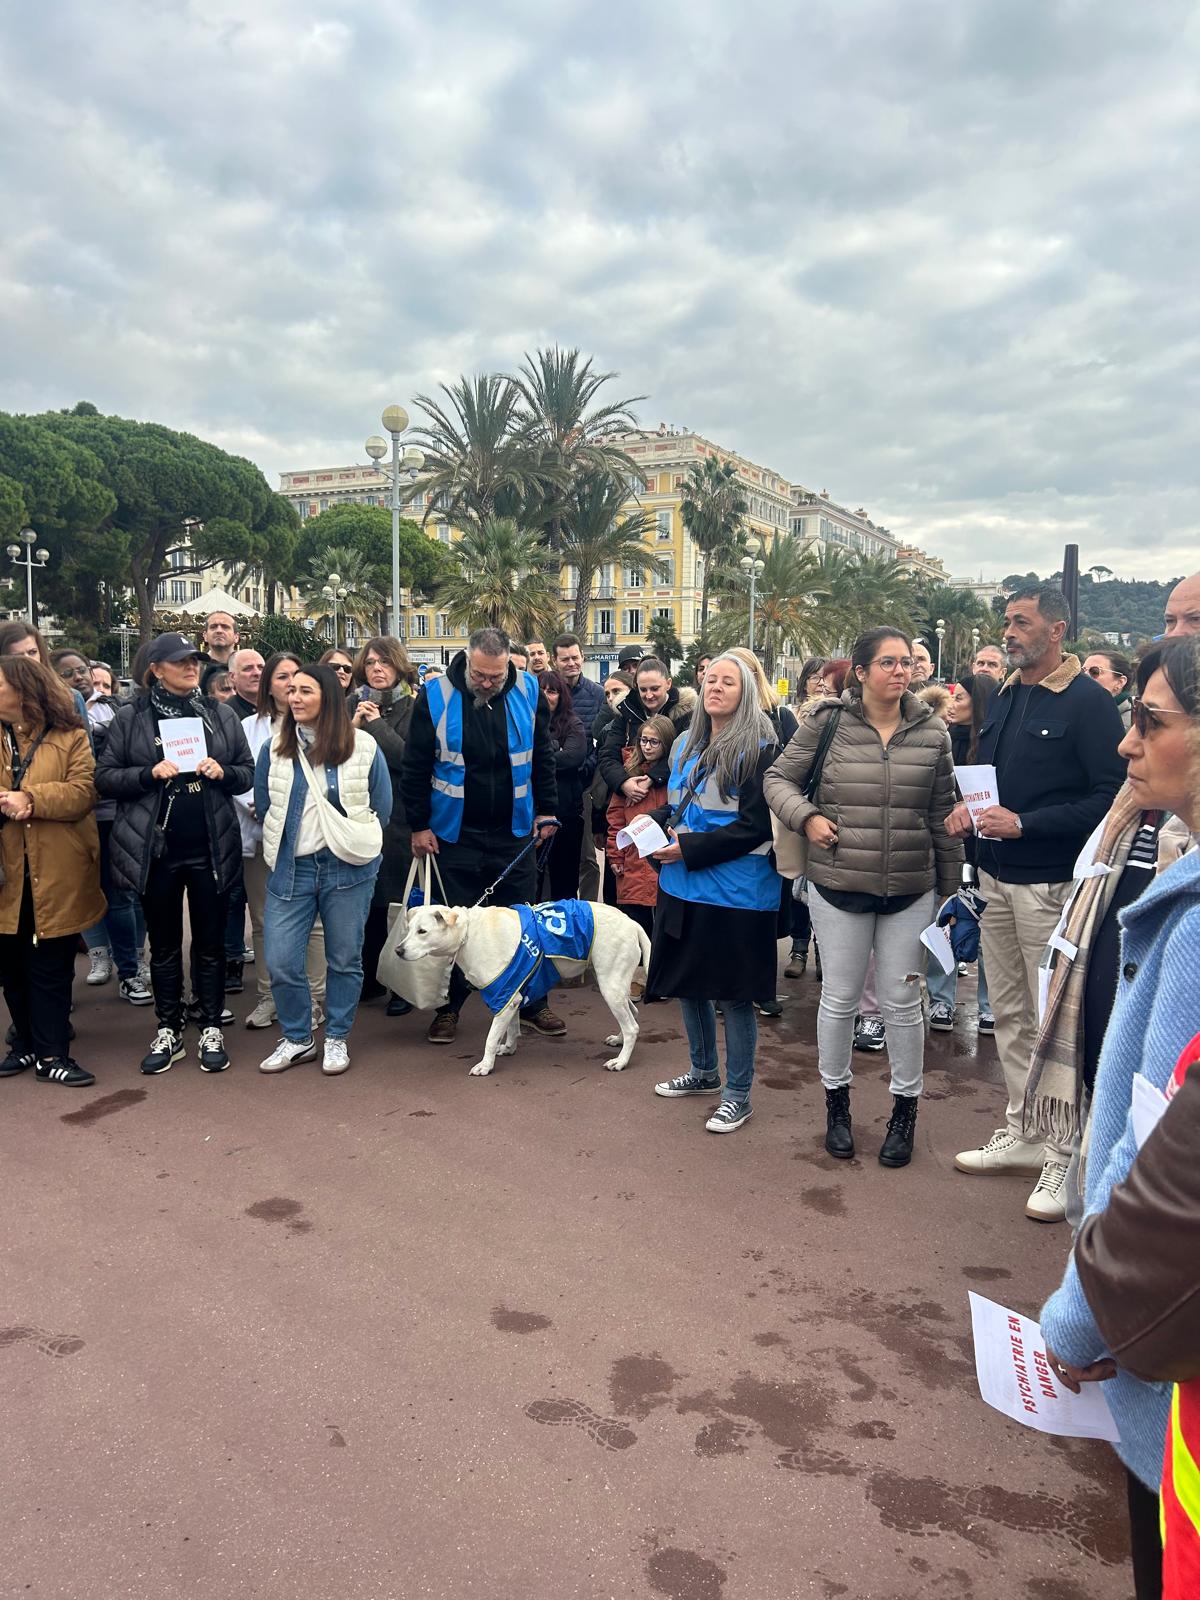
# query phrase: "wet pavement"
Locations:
[[411, 1333]]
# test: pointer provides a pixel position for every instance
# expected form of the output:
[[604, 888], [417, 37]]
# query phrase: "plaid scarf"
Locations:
[[1055, 1086]]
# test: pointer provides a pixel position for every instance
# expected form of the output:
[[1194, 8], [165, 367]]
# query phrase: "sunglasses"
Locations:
[[1148, 721], [1098, 672], [340, 666]]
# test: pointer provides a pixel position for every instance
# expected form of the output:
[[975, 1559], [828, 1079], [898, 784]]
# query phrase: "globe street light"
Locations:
[[974, 646], [333, 591], [940, 630], [29, 558], [395, 421], [753, 569]]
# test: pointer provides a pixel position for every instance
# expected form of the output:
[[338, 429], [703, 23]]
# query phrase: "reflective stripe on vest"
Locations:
[[449, 764], [1181, 1496], [748, 883]]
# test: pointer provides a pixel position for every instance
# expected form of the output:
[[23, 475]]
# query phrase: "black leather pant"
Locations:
[[162, 902]]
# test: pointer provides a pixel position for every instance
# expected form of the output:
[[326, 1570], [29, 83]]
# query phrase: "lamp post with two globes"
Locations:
[[395, 421], [333, 591], [753, 568], [29, 558]]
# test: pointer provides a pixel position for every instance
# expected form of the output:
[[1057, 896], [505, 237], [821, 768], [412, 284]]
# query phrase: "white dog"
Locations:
[[484, 942]]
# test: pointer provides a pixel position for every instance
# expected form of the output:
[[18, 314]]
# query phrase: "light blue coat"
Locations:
[[1157, 1012]]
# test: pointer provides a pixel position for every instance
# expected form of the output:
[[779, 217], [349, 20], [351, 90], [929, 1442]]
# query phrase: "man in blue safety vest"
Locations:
[[478, 784]]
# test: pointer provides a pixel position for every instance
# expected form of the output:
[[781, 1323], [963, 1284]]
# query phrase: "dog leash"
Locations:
[[534, 842]]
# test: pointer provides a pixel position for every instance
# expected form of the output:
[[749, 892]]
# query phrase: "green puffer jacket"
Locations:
[[889, 804]]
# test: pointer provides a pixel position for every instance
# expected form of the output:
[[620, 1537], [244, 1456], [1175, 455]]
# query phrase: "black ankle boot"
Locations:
[[839, 1138], [902, 1125]]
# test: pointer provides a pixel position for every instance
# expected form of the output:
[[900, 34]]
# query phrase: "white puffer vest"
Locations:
[[354, 788]]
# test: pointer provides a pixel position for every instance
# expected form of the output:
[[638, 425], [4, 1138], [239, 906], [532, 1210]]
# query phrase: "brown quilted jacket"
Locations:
[[890, 804]]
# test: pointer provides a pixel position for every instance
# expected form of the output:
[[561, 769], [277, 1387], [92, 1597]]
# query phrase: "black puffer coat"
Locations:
[[123, 772], [622, 733], [390, 732]]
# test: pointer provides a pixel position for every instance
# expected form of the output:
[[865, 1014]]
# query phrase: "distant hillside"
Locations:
[[1129, 606]]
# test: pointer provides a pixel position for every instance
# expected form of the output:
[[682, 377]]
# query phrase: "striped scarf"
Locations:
[[1055, 1085]]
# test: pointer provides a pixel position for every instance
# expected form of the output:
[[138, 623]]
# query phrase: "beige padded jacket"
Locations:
[[890, 804]]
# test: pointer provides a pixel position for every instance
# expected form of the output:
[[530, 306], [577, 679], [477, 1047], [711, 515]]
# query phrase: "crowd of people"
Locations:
[[301, 793]]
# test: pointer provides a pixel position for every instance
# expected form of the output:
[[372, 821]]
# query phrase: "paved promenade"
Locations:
[[410, 1333]]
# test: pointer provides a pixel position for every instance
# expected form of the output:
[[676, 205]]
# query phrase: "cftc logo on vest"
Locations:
[[531, 946]]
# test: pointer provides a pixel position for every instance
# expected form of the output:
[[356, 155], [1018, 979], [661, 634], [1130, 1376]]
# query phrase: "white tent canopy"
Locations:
[[213, 600]]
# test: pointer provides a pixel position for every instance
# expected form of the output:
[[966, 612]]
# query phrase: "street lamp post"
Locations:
[[753, 568], [974, 646], [333, 591], [28, 558], [395, 421], [940, 630]]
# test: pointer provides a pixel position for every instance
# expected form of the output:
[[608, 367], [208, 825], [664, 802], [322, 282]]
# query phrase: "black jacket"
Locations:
[[390, 732], [1058, 770], [571, 759], [488, 802], [131, 749], [622, 732]]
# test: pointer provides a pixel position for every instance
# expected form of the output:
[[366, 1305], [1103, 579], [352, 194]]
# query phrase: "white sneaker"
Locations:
[[287, 1053], [1048, 1202], [101, 969], [1002, 1153], [318, 1016], [337, 1057], [136, 990], [262, 1016]]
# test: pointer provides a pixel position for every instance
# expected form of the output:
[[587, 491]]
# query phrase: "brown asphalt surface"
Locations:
[[411, 1333]]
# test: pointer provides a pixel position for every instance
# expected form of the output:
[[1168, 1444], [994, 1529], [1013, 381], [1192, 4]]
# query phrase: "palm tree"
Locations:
[[858, 592], [789, 599], [595, 536], [363, 599], [960, 610], [556, 388], [505, 580], [712, 506], [479, 464]]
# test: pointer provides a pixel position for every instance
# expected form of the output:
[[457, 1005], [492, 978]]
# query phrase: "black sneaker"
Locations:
[[212, 1051], [164, 1052], [869, 1034], [234, 982], [193, 1014], [17, 1060], [769, 1008], [676, 1088], [398, 1006], [729, 1116], [65, 1070]]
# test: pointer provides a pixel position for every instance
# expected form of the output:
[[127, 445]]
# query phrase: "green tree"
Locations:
[[712, 506], [596, 535], [478, 462], [786, 609], [281, 633], [960, 610], [367, 530], [663, 640], [504, 580], [153, 501], [857, 592], [363, 599], [570, 435]]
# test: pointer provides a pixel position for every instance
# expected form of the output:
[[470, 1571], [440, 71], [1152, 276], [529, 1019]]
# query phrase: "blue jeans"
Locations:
[[741, 1036], [943, 986], [122, 929], [286, 927], [235, 923]]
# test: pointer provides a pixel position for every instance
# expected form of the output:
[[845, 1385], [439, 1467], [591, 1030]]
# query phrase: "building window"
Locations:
[[443, 532], [178, 592], [177, 559], [604, 620], [441, 625], [162, 591], [196, 590], [666, 579], [633, 620], [651, 485], [634, 578], [665, 613], [663, 525], [420, 625]]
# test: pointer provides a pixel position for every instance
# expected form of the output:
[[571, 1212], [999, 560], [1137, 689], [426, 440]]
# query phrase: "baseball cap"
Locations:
[[171, 647], [629, 654]]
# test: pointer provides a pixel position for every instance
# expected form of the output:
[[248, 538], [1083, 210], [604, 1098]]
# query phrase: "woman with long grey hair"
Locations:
[[718, 892]]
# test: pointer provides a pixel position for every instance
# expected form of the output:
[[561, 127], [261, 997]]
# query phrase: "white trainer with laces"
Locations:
[[100, 969], [1048, 1202], [336, 1058], [1001, 1154], [287, 1053], [263, 1014]]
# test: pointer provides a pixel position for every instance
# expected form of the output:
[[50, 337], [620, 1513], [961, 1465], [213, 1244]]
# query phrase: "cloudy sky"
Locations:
[[936, 256]]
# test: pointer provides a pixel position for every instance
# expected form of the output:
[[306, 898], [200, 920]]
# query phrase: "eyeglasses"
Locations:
[[1147, 720], [648, 742], [890, 663]]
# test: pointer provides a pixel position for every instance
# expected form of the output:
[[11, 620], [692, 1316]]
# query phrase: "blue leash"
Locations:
[[535, 842]]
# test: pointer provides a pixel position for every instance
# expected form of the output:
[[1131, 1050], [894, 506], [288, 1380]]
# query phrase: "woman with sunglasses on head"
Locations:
[[277, 674], [570, 743], [877, 852], [176, 834], [1131, 991], [1114, 672], [381, 703], [323, 794], [49, 850]]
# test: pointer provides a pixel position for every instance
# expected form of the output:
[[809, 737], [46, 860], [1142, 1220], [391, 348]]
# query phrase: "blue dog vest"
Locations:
[[558, 929]]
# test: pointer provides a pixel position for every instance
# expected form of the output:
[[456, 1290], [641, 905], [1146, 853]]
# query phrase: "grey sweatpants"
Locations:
[[847, 940]]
